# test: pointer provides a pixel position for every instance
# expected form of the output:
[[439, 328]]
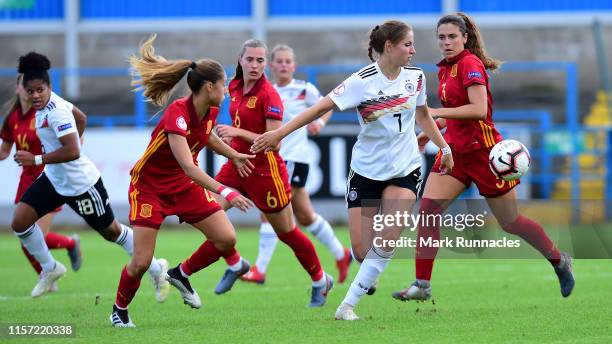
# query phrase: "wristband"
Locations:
[[446, 150], [227, 193], [321, 122], [38, 160]]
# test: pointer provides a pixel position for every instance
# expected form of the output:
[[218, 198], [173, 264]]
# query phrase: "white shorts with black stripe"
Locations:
[[93, 205]]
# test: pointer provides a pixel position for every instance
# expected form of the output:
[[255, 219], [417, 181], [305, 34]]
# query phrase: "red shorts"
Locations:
[[269, 191], [474, 167], [148, 209]]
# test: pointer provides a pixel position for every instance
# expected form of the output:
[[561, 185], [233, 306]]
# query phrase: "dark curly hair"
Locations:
[[34, 66]]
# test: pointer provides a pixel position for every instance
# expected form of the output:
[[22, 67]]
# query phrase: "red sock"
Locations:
[[32, 260], [231, 257], [55, 240], [425, 255], [205, 255], [128, 286], [304, 251], [534, 234]]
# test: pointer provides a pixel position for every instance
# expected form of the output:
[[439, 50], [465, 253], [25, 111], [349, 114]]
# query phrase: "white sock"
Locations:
[[320, 282], [183, 272], [237, 266], [323, 231], [126, 240], [34, 241], [267, 245], [373, 265]]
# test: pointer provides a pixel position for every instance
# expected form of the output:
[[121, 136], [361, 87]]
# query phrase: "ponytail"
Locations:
[[238, 75], [14, 102], [156, 75]]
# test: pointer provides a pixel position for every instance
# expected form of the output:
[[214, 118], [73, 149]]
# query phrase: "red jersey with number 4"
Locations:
[[456, 75], [158, 171], [20, 129], [250, 112]]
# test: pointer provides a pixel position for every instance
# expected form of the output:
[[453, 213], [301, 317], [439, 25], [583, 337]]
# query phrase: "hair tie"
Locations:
[[194, 65]]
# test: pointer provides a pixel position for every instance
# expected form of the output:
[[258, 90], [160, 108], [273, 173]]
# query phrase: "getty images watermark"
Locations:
[[457, 222]]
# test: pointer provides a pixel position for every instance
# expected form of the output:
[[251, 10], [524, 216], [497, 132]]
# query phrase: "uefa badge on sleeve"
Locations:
[[339, 90], [180, 122]]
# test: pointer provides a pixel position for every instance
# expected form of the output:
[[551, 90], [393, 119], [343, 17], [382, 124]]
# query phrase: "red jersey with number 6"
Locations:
[[18, 127], [456, 75], [250, 111], [157, 171]]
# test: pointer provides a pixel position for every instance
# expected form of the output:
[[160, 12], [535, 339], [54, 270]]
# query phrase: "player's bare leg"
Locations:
[[221, 237], [440, 192], [304, 251], [505, 209], [31, 236], [321, 229], [123, 236], [394, 199], [143, 247]]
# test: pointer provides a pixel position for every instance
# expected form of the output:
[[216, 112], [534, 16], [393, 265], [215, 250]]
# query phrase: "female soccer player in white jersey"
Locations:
[[68, 178], [296, 96], [389, 95]]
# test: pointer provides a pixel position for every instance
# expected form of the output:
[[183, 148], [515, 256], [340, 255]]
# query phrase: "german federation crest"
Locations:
[[410, 88]]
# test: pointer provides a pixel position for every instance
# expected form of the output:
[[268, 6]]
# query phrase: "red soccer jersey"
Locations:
[[20, 128], [250, 112], [456, 75], [158, 171]]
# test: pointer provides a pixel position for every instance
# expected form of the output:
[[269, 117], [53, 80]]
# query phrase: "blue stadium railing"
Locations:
[[139, 117]]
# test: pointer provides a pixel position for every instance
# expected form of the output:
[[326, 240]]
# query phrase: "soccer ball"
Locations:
[[509, 160]]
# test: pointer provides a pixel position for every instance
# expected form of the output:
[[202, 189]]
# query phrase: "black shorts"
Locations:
[[93, 205], [360, 188], [298, 173]]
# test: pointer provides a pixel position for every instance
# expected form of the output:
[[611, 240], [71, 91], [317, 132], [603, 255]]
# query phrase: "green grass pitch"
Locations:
[[476, 301]]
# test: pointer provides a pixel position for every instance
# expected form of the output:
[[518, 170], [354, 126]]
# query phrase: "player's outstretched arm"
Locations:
[[429, 127], [241, 161], [69, 151], [182, 154], [271, 139], [315, 127]]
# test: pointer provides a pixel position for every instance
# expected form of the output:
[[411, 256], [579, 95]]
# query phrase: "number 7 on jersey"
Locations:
[[399, 120]]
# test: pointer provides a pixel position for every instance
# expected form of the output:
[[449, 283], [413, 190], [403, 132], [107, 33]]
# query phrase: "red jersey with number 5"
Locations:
[[456, 75], [158, 171], [19, 128], [250, 111]]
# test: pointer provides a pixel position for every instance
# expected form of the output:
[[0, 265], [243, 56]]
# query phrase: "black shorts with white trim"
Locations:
[[93, 205], [360, 189], [298, 173]]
